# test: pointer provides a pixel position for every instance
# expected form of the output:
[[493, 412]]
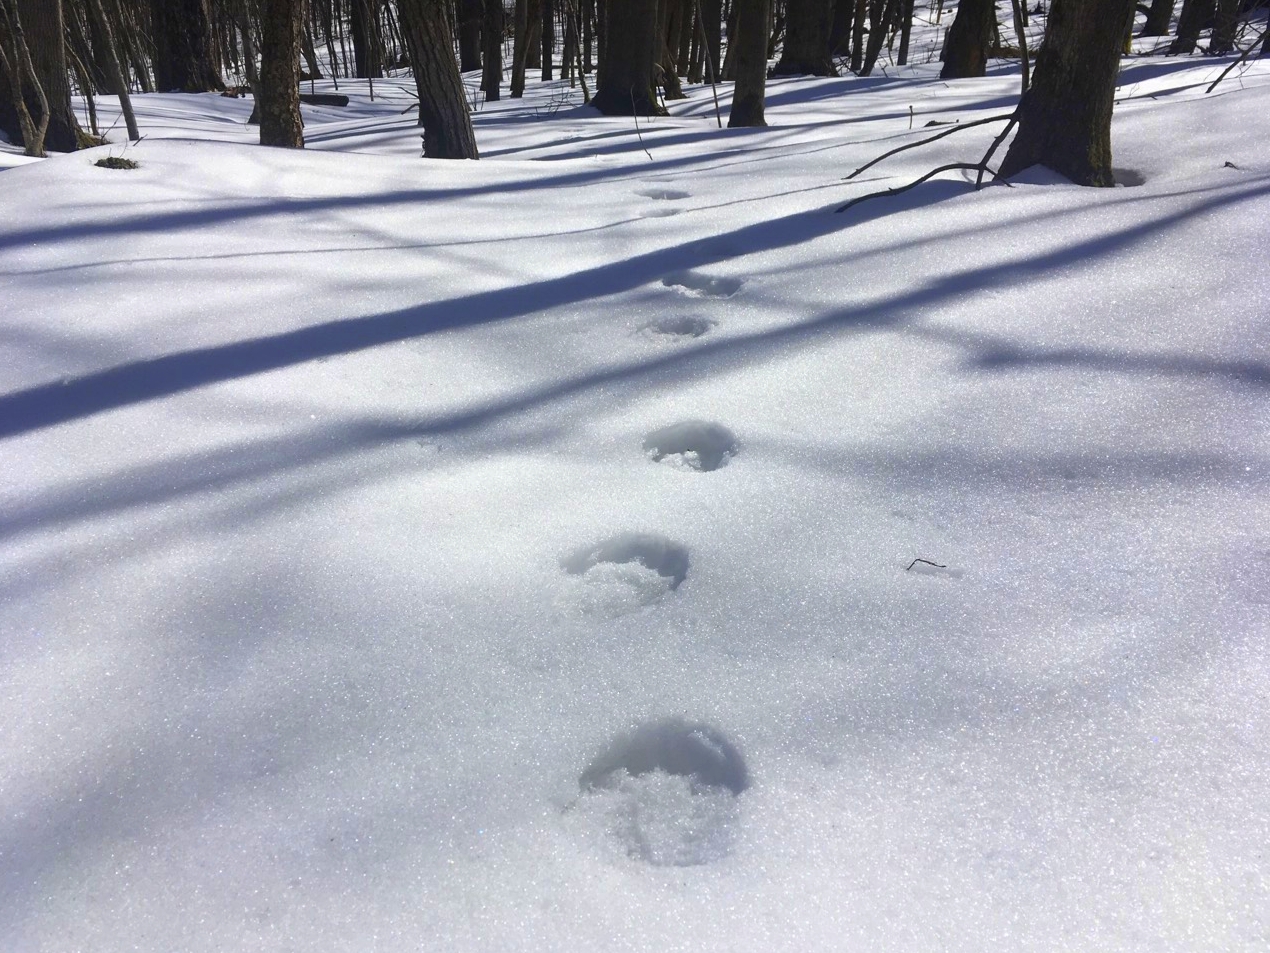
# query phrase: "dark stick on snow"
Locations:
[[952, 166], [927, 562], [913, 145]]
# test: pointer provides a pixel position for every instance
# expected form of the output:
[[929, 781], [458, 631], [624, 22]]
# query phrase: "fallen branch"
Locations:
[[1242, 59], [940, 135], [898, 190]]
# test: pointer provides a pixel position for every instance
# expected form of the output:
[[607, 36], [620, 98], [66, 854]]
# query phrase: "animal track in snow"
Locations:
[[680, 326], [667, 792], [663, 195], [664, 557], [692, 445], [702, 286], [623, 574]]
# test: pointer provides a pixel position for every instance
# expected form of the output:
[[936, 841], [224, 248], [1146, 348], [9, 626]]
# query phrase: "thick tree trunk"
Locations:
[[18, 81], [969, 38], [44, 30], [1065, 116], [471, 13], [278, 95], [751, 63], [806, 50], [492, 40], [364, 23], [520, 47], [443, 113], [857, 34], [183, 48], [712, 20], [906, 31], [1159, 16], [1224, 27], [1195, 15], [625, 84], [840, 32]]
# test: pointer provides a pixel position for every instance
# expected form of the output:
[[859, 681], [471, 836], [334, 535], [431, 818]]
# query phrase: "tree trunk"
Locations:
[[492, 40], [840, 32], [520, 47], [1196, 14], [1159, 16], [1224, 26], [471, 13], [906, 31], [364, 24], [712, 20], [806, 51], [44, 30], [1065, 116], [969, 38], [18, 81], [885, 13], [110, 61], [751, 63], [443, 113], [278, 95], [857, 34], [548, 38], [183, 49], [631, 43]]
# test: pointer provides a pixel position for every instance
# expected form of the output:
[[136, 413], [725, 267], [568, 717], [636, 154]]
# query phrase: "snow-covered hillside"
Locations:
[[369, 526]]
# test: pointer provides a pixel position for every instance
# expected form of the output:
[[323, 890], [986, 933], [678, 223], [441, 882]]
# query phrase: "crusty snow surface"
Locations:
[[519, 554]]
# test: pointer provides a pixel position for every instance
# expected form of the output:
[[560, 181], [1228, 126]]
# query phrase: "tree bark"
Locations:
[[520, 47], [183, 49], [840, 32], [548, 41], [806, 50], [18, 79], [364, 23], [44, 32], [751, 63], [492, 40], [1195, 15], [443, 113], [1065, 116], [969, 38], [278, 94], [1224, 26], [1159, 16], [110, 61], [471, 14], [631, 44]]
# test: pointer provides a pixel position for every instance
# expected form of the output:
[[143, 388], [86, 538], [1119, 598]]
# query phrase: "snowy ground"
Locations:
[[336, 568]]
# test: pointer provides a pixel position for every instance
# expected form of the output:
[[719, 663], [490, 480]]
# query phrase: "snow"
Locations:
[[346, 605]]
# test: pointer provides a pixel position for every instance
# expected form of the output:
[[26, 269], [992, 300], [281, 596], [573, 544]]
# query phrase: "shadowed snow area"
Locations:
[[334, 571]]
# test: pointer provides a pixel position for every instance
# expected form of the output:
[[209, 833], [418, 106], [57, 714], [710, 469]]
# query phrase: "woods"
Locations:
[[638, 53]]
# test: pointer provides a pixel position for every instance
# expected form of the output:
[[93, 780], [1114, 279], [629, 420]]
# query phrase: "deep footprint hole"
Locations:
[[695, 283], [693, 444], [666, 793], [666, 558], [663, 195], [681, 326], [1129, 178]]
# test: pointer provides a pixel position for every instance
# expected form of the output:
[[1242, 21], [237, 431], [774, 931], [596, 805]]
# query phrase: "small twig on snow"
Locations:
[[927, 562]]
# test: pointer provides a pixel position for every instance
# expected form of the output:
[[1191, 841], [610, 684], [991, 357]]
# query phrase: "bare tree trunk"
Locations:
[[969, 38], [110, 59], [471, 13], [1159, 16], [806, 50], [520, 47], [631, 44], [751, 63], [443, 113], [278, 95], [492, 40], [906, 31], [1224, 26], [183, 48], [17, 76], [1065, 117], [857, 35], [44, 31], [1195, 15]]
